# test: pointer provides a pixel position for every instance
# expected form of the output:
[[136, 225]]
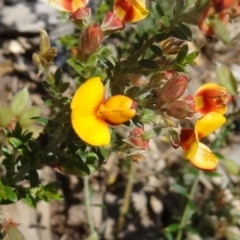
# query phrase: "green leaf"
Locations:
[[178, 7], [33, 178], [26, 136], [5, 116], [159, 10], [231, 166], [13, 233], [161, 36], [157, 50], [17, 131], [182, 53], [189, 59], [26, 118], [172, 228], [41, 120], [30, 201], [182, 31], [220, 30], [20, 102], [138, 42], [189, 4], [80, 165], [179, 189], [10, 194], [226, 79], [164, 20], [6, 151], [75, 65], [15, 142], [58, 75], [52, 186], [7, 193], [48, 102], [148, 64], [63, 87]]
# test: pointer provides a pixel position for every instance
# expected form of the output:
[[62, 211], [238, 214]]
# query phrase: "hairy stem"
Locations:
[[126, 199], [186, 209], [143, 49]]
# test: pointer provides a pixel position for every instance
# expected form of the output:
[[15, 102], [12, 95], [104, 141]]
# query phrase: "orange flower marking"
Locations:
[[211, 97], [68, 5], [91, 114], [196, 152], [130, 10]]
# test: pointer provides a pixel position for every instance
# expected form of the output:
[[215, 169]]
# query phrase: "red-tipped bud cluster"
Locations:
[[179, 109], [136, 139], [90, 39], [81, 17], [173, 89], [111, 23]]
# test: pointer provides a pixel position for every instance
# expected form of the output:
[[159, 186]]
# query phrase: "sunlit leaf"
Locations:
[[226, 78]]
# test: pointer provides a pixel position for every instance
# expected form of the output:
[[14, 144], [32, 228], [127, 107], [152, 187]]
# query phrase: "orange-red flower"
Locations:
[[130, 10], [196, 152], [91, 114], [68, 5], [211, 97]]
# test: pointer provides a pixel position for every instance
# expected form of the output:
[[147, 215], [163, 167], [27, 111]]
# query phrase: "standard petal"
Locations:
[[208, 124], [211, 97], [118, 109], [130, 10], [90, 128], [204, 159], [89, 95], [68, 5], [85, 118]]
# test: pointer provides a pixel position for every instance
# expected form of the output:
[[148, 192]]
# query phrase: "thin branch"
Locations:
[[126, 200], [186, 209], [88, 204]]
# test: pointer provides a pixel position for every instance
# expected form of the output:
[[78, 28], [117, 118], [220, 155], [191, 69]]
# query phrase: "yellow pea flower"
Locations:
[[91, 114], [211, 97], [68, 5], [130, 10], [196, 152]]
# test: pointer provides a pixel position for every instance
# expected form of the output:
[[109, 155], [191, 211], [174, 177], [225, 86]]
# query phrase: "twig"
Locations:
[[126, 199], [88, 205], [185, 212]]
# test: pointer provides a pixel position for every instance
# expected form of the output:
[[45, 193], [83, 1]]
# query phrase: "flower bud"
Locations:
[[81, 17], [37, 60], [111, 23], [90, 39], [179, 109], [136, 139], [44, 41], [173, 89], [172, 45], [137, 80], [190, 101]]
